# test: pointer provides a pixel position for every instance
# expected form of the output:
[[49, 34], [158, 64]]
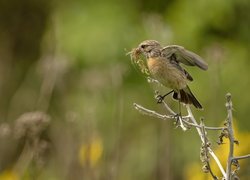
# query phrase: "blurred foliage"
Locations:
[[66, 61], [8, 175], [90, 153]]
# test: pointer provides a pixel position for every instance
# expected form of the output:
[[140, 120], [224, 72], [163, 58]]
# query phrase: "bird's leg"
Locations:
[[160, 98], [178, 116]]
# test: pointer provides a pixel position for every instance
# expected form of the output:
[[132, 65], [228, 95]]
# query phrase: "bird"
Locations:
[[165, 64]]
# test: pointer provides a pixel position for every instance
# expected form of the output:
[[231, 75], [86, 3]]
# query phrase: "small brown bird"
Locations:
[[164, 66]]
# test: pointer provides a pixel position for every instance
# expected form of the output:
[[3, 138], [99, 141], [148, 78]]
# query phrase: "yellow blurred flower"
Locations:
[[194, 171], [9, 175], [91, 152]]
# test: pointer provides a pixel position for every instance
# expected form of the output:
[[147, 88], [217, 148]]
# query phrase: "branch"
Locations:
[[209, 149], [229, 124], [198, 126], [241, 157], [185, 119], [188, 117], [189, 120], [157, 115], [181, 120], [151, 113], [204, 152], [194, 123]]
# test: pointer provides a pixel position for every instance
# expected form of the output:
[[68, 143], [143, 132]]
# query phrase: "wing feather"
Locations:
[[184, 56]]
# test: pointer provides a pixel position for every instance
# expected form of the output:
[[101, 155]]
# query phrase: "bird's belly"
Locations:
[[167, 74]]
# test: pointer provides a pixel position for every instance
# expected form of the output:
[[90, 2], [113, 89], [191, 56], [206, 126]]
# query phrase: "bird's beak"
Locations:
[[135, 53], [138, 50]]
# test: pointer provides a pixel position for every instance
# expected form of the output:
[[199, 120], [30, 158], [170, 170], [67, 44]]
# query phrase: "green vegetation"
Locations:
[[65, 61]]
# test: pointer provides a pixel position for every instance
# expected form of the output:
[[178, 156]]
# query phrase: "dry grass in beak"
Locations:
[[138, 60]]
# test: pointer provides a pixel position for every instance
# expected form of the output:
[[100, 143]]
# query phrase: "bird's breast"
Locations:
[[167, 73]]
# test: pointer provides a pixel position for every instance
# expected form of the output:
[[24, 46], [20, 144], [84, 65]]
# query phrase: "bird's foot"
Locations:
[[160, 98], [178, 118]]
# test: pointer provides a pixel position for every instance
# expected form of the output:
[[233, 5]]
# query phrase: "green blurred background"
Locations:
[[67, 87]]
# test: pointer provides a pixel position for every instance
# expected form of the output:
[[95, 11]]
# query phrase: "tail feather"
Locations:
[[186, 96]]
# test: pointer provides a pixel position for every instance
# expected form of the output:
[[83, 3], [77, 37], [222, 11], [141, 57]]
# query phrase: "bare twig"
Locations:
[[185, 119], [189, 120], [151, 113], [241, 157], [229, 124], [198, 126], [204, 151], [181, 120], [194, 123], [168, 108], [209, 149], [157, 115]]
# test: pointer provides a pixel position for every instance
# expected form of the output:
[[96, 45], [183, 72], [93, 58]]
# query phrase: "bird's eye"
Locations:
[[143, 46]]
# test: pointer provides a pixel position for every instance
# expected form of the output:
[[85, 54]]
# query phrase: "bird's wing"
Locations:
[[180, 54], [177, 65]]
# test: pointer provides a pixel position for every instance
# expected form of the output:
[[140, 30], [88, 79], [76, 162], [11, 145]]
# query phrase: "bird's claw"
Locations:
[[159, 98], [178, 117]]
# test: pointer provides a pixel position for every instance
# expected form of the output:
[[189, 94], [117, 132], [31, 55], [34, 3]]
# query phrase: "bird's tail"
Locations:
[[186, 96]]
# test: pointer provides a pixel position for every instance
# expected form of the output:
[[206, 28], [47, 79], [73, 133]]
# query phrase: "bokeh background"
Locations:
[[67, 87]]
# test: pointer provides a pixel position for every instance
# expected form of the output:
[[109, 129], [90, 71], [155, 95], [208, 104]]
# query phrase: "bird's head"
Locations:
[[149, 48]]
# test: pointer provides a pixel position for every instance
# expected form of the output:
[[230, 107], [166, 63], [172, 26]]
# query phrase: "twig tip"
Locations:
[[228, 96]]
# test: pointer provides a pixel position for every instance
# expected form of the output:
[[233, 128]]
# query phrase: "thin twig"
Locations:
[[206, 127], [189, 120], [214, 128], [168, 108], [160, 116], [194, 123], [205, 148], [209, 149], [151, 113], [241, 157], [187, 117], [229, 107], [181, 119]]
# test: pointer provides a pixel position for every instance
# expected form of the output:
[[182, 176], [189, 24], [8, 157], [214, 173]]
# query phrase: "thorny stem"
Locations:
[[229, 124], [206, 146], [209, 149], [229, 107]]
